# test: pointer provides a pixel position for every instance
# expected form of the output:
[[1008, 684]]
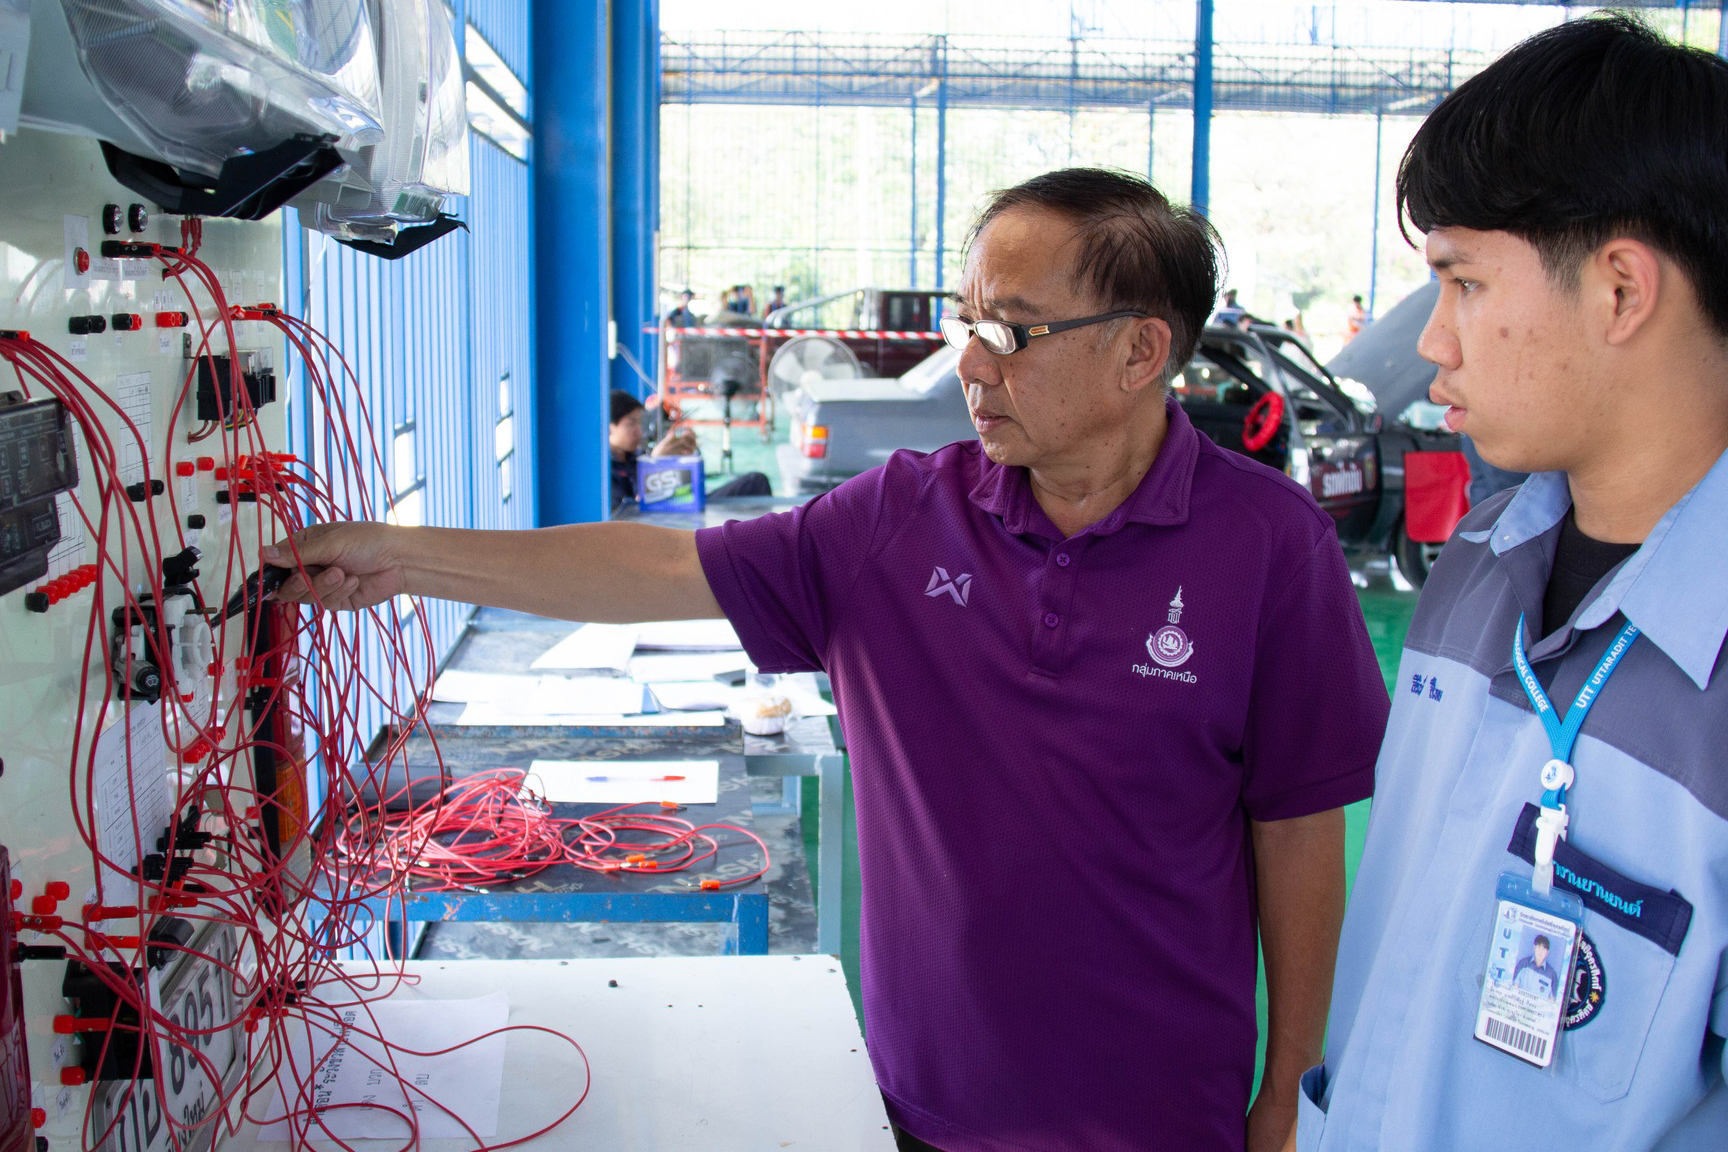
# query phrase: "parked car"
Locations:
[[1425, 473], [864, 332], [1257, 391]]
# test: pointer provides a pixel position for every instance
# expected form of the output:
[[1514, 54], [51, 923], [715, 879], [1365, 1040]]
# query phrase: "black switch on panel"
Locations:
[[112, 218], [137, 218]]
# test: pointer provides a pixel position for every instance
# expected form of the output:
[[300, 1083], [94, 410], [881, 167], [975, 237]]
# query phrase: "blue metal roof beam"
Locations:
[[803, 69]]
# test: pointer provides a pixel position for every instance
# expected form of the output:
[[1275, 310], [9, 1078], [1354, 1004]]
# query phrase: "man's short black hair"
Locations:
[[1138, 252], [623, 404], [1594, 129]]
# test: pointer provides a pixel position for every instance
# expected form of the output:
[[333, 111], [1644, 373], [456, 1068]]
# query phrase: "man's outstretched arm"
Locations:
[[601, 572]]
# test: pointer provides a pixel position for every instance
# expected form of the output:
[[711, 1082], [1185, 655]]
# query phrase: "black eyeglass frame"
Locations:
[[1022, 334]]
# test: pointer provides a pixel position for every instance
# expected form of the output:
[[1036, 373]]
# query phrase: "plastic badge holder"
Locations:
[[1528, 975], [670, 484]]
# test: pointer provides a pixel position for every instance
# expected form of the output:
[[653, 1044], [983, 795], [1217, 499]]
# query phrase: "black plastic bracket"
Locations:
[[249, 187], [409, 239]]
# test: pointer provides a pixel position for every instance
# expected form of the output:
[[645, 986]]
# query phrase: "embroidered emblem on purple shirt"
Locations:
[[1170, 645]]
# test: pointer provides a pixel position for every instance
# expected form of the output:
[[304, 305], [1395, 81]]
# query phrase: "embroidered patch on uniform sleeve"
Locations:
[[1660, 917]]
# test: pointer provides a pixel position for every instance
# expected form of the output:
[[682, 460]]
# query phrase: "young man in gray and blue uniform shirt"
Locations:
[[1575, 200]]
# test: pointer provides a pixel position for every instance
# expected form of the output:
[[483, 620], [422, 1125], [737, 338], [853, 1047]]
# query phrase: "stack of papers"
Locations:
[[592, 646], [492, 715], [531, 694], [687, 636]]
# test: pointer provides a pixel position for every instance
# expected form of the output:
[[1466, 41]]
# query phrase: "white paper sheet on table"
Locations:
[[459, 687], [664, 667], [468, 1081], [701, 694], [488, 713], [694, 695], [540, 693], [625, 781], [591, 646], [687, 636]]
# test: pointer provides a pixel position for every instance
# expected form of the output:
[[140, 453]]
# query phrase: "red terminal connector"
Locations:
[[710, 885], [107, 912], [17, 890], [58, 889], [206, 463], [185, 468], [21, 923], [253, 311], [80, 261], [14, 334], [635, 858], [44, 905], [97, 940], [73, 1075], [127, 322], [38, 1117], [72, 1025], [172, 319]]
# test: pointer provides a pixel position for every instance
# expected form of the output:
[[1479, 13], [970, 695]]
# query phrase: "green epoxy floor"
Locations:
[[1386, 611]]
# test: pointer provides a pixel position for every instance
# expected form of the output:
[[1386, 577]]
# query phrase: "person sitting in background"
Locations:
[[681, 316], [625, 436], [1229, 312], [741, 300], [778, 300]]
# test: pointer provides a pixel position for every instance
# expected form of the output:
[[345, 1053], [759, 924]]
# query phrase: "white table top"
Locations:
[[699, 1054]]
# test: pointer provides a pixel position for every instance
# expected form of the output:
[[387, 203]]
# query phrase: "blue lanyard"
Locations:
[[1563, 731]]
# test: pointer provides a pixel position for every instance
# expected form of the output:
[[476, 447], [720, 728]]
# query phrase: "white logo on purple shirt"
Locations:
[[958, 587], [1170, 646]]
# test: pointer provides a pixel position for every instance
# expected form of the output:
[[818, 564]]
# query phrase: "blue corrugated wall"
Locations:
[[432, 336]]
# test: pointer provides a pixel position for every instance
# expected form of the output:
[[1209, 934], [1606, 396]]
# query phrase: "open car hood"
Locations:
[[1383, 357]]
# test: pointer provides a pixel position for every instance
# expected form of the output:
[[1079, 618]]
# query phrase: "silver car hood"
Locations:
[[873, 388]]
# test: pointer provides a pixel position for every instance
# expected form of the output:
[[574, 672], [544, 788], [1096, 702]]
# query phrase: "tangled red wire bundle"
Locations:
[[294, 687], [492, 828]]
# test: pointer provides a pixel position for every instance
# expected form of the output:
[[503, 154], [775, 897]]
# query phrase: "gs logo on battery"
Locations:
[[663, 485]]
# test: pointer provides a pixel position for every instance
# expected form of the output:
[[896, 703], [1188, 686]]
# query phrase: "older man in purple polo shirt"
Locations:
[[1105, 687]]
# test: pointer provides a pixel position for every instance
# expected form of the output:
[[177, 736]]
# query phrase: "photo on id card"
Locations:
[[1529, 970]]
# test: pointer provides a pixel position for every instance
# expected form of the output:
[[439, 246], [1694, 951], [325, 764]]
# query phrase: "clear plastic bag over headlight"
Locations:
[[424, 154], [199, 81]]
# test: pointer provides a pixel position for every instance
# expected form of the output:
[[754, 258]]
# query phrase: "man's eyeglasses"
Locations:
[[1003, 338]]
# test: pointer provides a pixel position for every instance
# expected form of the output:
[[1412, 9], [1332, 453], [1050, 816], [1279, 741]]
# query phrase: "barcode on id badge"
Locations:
[[1526, 1044]]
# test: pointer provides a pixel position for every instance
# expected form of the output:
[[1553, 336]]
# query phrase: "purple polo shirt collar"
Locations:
[[1162, 496]]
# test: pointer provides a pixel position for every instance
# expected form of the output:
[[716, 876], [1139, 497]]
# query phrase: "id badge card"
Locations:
[[1528, 976]]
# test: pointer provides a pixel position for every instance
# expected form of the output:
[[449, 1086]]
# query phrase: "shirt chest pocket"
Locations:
[[1632, 933]]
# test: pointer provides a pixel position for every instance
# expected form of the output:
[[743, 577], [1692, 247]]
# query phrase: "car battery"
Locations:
[[670, 484]]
